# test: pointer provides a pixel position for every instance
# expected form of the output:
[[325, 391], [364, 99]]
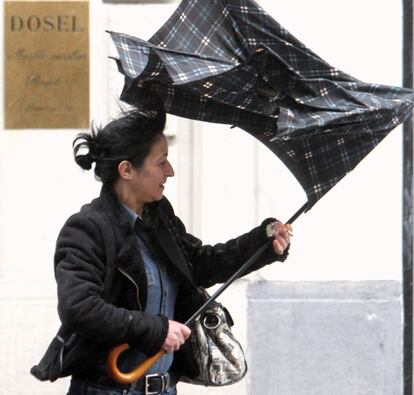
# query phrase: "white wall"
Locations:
[[227, 183]]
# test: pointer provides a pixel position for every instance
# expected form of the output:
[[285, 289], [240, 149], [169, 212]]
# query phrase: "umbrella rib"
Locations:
[[175, 51]]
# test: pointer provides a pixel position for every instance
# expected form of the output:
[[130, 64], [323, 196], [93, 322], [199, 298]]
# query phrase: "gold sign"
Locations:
[[46, 64]]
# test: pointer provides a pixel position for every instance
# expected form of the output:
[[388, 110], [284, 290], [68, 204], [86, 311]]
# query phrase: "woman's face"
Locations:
[[148, 180]]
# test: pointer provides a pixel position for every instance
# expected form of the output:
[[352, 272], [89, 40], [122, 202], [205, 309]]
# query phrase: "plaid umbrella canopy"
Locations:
[[228, 61]]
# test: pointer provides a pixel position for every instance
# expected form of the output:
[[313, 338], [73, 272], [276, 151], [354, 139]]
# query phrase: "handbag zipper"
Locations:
[[136, 285]]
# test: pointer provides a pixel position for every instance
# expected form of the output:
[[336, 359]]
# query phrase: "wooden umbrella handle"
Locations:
[[137, 373]]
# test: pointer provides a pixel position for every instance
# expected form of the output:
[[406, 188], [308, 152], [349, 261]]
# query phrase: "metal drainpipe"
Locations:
[[407, 219]]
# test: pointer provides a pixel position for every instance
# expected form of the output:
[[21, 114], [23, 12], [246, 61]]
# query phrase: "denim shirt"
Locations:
[[161, 297]]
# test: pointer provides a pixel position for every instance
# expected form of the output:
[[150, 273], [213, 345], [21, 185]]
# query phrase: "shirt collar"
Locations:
[[132, 215]]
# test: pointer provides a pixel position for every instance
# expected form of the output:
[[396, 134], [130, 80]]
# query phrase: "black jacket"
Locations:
[[97, 249]]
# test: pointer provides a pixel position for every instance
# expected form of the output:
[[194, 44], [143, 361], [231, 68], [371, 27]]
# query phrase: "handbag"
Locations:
[[218, 355]]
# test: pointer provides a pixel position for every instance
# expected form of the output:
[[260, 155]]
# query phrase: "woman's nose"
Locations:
[[170, 170]]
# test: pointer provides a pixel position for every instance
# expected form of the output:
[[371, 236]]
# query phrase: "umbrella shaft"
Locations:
[[237, 274], [242, 269], [295, 216]]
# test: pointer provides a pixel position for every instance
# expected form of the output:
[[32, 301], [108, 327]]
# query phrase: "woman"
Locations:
[[125, 266]]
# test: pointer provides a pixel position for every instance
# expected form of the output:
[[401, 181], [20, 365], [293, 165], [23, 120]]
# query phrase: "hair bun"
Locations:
[[83, 147], [84, 161]]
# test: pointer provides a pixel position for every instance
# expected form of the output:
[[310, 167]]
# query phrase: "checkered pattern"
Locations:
[[230, 62]]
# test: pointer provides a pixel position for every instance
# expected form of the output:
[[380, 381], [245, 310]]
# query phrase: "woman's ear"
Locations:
[[125, 170]]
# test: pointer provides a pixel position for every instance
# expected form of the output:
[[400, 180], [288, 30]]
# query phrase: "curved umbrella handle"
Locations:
[[137, 373]]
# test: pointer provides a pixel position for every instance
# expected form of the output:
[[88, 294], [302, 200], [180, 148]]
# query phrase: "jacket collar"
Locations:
[[112, 207], [154, 221]]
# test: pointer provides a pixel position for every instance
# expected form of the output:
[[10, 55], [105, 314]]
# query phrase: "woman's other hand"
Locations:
[[281, 234]]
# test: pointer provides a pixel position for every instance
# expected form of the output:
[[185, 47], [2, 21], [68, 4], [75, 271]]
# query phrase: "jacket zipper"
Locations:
[[136, 285]]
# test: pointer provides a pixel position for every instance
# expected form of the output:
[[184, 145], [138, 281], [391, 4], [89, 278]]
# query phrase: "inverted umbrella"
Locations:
[[228, 61]]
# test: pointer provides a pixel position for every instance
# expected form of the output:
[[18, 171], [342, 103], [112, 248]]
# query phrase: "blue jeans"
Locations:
[[79, 388]]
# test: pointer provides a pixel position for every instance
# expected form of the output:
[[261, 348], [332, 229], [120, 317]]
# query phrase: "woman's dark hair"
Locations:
[[129, 137]]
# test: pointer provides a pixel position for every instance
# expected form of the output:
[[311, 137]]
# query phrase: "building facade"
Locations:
[[329, 320]]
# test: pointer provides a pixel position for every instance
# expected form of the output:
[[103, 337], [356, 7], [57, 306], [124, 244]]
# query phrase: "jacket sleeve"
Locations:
[[213, 264], [80, 264]]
